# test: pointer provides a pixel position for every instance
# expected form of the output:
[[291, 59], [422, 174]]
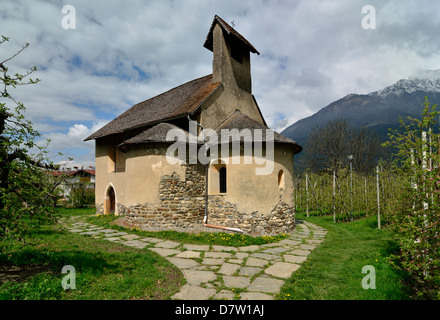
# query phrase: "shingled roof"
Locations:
[[230, 31], [175, 103], [240, 121], [158, 133], [237, 120]]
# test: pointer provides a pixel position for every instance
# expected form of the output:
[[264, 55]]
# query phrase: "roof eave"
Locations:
[[92, 137], [183, 115]]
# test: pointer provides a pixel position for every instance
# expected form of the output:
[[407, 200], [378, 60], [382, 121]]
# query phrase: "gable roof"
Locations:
[[240, 121], [175, 103], [230, 31]]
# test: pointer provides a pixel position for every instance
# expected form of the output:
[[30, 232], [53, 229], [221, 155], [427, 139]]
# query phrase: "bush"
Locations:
[[81, 195]]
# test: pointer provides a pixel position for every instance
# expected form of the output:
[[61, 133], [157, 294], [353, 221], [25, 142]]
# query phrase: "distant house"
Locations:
[[136, 175], [72, 177]]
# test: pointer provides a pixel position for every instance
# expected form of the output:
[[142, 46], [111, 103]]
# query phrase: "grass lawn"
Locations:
[[333, 270], [104, 270]]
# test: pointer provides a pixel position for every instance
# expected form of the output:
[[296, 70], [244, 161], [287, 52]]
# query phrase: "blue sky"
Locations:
[[123, 52]]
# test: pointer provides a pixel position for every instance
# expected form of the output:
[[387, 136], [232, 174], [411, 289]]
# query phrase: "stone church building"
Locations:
[[134, 174]]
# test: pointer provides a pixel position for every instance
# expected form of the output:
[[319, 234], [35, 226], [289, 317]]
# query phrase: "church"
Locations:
[[200, 154]]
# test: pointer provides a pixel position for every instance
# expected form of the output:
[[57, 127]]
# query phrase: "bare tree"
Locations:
[[327, 147], [365, 147]]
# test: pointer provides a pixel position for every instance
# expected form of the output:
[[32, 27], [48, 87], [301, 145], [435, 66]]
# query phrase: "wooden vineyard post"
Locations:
[[378, 198], [307, 196], [366, 198], [334, 196]]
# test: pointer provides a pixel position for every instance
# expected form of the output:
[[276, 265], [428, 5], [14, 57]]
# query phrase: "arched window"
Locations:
[[281, 179], [222, 179], [217, 177]]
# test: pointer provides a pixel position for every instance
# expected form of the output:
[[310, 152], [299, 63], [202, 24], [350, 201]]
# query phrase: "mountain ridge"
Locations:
[[378, 110]]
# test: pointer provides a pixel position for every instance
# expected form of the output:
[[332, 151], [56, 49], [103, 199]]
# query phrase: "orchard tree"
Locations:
[[417, 214], [27, 189]]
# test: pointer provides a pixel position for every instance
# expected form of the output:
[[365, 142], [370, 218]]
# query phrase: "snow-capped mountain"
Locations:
[[378, 110], [428, 81]]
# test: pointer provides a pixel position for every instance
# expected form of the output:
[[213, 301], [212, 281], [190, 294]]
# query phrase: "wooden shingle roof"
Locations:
[[240, 121], [236, 121], [158, 133], [175, 103]]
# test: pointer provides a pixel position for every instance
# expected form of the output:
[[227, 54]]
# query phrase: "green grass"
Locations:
[[333, 270], [104, 270], [214, 238]]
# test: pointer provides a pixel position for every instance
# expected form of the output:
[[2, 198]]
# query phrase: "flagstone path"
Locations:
[[222, 272]]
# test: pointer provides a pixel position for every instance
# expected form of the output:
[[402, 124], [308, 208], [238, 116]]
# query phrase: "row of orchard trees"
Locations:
[[348, 195], [404, 194]]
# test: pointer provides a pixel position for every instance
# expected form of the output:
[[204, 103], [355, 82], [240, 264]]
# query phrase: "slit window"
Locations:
[[222, 179], [281, 179]]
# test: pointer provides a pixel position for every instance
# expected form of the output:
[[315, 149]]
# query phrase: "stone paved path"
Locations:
[[220, 272]]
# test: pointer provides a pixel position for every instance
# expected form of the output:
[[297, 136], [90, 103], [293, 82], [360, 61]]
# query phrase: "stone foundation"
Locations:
[[182, 206], [99, 208], [181, 202], [280, 220]]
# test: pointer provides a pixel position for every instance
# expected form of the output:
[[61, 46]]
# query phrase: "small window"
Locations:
[[281, 179], [222, 179], [217, 177]]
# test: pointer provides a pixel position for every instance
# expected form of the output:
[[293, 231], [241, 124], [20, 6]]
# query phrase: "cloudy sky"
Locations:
[[122, 52]]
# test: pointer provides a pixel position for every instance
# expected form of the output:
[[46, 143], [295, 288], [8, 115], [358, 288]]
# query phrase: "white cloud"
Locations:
[[72, 144], [312, 53], [78, 130], [75, 136]]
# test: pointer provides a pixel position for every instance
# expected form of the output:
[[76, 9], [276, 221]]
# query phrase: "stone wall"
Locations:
[[99, 208], [181, 206], [280, 220], [181, 203]]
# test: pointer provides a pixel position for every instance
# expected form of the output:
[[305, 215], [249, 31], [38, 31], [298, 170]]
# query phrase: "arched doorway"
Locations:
[[110, 201]]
